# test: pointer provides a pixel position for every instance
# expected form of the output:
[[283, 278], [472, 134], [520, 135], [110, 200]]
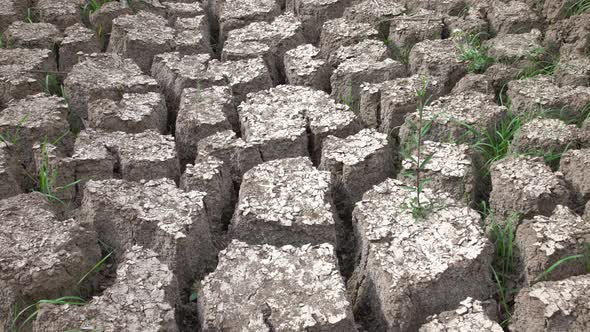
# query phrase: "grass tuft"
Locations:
[[577, 7], [544, 61], [472, 52], [26, 315]]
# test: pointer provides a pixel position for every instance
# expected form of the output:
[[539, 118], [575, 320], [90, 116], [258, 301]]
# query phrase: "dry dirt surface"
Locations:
[[294, 165]]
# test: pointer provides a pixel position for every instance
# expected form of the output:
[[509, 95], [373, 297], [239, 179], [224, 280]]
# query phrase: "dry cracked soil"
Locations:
[[294, 165]]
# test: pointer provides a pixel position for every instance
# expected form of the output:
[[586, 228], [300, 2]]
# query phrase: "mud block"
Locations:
[[370, 49], [32, 35], [232, 150], [515, 49], [438, 59], [267, 40], [285, 201], [235, 14], [451, 114], [142, 298], [278, 121], [9, 171], [304, 66], [450, 170], [407, 30], [175, 72], [262, 287], [481, 83], [377, 14], [162, 218], [192, 35], [202, 114], [12, 10], [133, 157], [347, 78], [448, 7], [410, 269], [211, 176], [512, 17], [574, 166], [187, 9], [525, 185], [573, 70], [547, 135], [470, 315], [385, 105], [104, 76], [134, 113], [37, 118], [553, 306], [542, 241], [243, 76], [77, 38], [140, 37], [471, 20], [314, 13], [359, 162], [149, 6], [341, 32], [22, 72], [542, 93], [102, 19], [35, 264], [61, 13]]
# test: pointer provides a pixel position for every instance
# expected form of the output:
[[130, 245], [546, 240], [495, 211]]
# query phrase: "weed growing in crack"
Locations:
[[29, 16], [51, 85], [473, 53], [544, 61], [348, 99], [90, 7], [398, 53], [585, 257], [414, 154], [2, 43], [26, 315], [13, 138], [577, 7]]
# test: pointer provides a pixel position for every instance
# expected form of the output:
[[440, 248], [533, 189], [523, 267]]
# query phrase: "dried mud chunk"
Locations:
[[471, 315], [438, 59], [471, 20], [143, 156], [9, 171], [514, 48], [155, 215], [211, 176], [192, 35], [62, 13], [450, 169], [35, 262], [77, 38], [385, 105], [141, 299], [571, 34], [149, 6], [235, 14], [202, 114], [233, 151], [285, 201], [243, 76], [547, 136], [451, 115], [32, 35], [175, 72], [176, 10], [377, 13], [369, 49], [449, 7], [36, 118], [573, 71], [304, 66], [574, 165], [134, 113], [262, 288], [314, 13], [411, 269], [347, 78], [267, 40], [358, 161], [474, 82], [541, 93], [553, 306], [407, 30], [525, 185], [104, 76], [140, 37], [12, 10], [22, 72], [341, 32], [542, 241], [102, 19], [512, 17]]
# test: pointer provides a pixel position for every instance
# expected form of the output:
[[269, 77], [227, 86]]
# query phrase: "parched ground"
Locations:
[[294, 165]]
